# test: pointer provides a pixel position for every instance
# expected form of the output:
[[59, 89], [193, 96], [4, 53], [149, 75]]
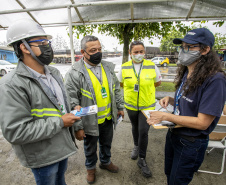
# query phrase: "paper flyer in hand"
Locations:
[[119, 119], [85, 111], [163, 124]]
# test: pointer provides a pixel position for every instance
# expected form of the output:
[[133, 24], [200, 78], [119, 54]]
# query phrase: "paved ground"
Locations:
[[12, 173], [160, 95]]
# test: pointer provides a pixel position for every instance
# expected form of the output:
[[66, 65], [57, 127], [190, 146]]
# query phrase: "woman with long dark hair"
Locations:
[[198, 104]]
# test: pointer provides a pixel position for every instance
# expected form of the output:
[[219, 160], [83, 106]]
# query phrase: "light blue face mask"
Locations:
[[188, 58], [138, 58]]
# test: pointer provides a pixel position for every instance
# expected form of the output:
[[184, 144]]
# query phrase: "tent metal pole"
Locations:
[[71, 35]]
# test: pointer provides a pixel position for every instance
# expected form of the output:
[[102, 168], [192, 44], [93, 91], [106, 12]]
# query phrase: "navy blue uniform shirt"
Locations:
[[209, 99]]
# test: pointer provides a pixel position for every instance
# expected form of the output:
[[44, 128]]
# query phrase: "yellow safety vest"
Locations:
[[103, 104], [144, 99]]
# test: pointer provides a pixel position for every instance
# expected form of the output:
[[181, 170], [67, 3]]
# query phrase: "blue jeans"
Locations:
[[52, 174], [183, 158], [105, 140]]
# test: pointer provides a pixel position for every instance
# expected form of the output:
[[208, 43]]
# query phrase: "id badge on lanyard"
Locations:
[[136, 87], [103, 92], [178, 96], [176, 111], [62, 109]]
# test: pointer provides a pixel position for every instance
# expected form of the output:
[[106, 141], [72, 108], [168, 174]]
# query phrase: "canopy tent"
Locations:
[[81, 12]]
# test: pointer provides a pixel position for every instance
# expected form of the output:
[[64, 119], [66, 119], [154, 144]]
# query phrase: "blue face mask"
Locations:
[[188, 58]]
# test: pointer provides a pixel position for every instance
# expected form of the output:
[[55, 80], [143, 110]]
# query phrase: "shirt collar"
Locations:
[[37, 74], [47, 71]]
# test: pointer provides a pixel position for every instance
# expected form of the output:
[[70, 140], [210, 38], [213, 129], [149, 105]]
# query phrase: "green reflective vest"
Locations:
[[144, 99], [103, 103]]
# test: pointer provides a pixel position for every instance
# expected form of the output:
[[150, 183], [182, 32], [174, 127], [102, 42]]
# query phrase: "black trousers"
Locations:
[[140, 130]]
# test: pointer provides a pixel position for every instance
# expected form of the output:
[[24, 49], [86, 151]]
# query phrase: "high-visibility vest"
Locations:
[[144, 99], [103, 104]]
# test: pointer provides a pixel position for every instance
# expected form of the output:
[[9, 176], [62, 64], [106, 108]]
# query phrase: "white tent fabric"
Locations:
[[81, 12], [54, 12]]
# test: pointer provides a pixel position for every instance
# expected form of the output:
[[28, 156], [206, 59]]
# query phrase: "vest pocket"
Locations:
[[127, 77]]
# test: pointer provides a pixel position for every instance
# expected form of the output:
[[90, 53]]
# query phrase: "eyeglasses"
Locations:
[[137, 42], [42, 42], [186, 48]]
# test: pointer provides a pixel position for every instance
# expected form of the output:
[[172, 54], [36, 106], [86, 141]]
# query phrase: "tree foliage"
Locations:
[[220, 42], [218, 23], [3, 43], [126, 33], [59, 43], [175, 32], [167, 42], [134, 31]]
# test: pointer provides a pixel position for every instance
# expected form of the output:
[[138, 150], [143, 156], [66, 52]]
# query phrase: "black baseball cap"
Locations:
[[197, 36]]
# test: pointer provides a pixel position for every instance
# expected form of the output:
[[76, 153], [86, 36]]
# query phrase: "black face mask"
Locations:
[[95, 58], [47, 54]]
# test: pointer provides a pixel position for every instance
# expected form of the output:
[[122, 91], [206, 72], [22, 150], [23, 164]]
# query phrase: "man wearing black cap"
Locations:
[[198, 104]]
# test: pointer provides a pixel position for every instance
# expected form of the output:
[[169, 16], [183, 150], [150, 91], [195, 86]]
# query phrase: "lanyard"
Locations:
[[49, 87], [53, 90], [139, 70], [178, 96]]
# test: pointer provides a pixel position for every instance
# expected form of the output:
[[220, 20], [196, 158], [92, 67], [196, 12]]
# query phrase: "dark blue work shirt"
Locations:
[[209, 99]]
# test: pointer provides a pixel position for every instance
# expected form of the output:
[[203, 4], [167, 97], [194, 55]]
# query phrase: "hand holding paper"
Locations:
[[155, 118], [119, 119], [69, 119], [85, 111]]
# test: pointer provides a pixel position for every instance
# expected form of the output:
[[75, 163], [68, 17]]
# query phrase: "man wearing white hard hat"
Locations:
[[34, 108]]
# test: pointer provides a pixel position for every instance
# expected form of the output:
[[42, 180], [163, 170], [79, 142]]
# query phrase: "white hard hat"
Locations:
[[22, 29]]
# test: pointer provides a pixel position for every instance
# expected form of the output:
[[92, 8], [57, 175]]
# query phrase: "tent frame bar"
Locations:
[[82, 5]]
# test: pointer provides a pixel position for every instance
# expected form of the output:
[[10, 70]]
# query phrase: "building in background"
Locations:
[[8, 54], [64, 56], [151, 52]]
